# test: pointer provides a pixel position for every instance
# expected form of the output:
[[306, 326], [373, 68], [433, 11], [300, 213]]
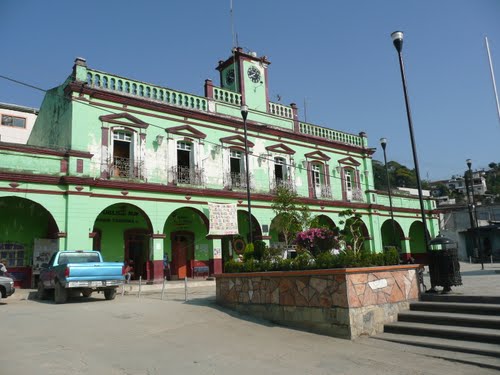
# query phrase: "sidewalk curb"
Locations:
[[30, 294]]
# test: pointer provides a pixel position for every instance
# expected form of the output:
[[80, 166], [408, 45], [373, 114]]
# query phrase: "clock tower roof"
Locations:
[[238, 54]]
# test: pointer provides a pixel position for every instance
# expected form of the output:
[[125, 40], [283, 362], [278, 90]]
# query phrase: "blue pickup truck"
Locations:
[[75, 272]]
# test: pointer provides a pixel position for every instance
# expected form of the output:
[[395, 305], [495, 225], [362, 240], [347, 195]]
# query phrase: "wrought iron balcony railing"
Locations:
[[321, 192], [286, 183], [357, 195], [185, 175], [234, 180], [126, 168]]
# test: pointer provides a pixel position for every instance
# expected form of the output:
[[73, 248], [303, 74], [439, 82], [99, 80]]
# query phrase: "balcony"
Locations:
[[181, 175], [236, 181], [286, 183], [357, 195], [126, 168], [322, 192]]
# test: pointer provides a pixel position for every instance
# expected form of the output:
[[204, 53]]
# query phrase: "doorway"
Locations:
[[137, 252], [182, 253]]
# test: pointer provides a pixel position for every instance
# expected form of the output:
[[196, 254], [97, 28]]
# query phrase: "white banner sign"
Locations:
[[223, 219]]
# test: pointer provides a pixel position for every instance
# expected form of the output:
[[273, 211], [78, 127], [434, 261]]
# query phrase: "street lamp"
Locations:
[[472, 207], [244, 114], [383, 143], [397, 39]]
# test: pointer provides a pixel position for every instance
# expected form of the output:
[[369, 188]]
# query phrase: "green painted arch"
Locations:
[[324, 221], [417, 238], [243, 226], [392, 235], [54, 204], [22, 221], [188, 219], [113, 223]]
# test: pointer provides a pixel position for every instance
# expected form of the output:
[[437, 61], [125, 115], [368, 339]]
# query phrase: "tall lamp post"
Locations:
[[397, 39], [244, 114], [383, 143], [474, 223]]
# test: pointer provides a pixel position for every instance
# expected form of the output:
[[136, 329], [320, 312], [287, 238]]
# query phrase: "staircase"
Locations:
[[456, 327]]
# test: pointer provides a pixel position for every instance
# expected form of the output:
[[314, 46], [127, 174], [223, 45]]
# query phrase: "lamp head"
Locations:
[[383, 142], [244, 111], [469, 163], [397, 40]]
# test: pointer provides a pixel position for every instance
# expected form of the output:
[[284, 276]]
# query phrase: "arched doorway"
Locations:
[[417, 238], [323, 221], [243, 226], [28, 237], [123, 234], [186, 230], [392, 235]]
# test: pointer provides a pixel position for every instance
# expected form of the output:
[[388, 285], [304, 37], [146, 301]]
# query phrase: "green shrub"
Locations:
[[248, 254], [304, 261], [259, 250]]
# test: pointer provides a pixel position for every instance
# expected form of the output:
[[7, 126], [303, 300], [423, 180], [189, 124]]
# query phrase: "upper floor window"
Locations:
[[123, 150], [184, 154], [237, 164], [280, 171], [17, 122]]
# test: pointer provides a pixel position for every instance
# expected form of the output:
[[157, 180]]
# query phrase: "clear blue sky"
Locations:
[[337, 56]]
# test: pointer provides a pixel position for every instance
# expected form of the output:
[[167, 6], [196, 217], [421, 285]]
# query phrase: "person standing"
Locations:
[[3, 267]]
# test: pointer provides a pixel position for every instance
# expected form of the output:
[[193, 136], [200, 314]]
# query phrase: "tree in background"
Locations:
[[493, 181]]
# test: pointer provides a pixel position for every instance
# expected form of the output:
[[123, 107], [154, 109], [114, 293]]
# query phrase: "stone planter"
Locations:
[[346, 302]]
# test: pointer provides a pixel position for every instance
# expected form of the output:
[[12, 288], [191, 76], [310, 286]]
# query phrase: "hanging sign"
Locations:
[[223, 219]]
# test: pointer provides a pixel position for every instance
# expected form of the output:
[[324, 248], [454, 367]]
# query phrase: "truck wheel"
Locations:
[[110, 294], [42, 293], [86, 293], [60, 294]]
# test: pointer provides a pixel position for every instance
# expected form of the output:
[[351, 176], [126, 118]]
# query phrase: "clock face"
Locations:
[[253, 74], [230, 77]]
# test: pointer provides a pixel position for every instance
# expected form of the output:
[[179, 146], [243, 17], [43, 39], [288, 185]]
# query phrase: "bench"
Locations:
[[199, 268]]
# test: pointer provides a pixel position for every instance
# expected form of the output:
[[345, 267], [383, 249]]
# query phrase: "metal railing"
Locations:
[[185, 175], [234, 180], [278, 182], [126, 168]]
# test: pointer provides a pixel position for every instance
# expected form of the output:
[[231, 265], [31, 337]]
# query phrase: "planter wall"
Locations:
[[343, 303]]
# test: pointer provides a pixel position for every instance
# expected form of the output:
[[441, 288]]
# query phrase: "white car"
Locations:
[[6, 286]]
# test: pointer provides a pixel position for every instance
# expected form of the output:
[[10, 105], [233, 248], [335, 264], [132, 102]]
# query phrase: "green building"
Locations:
[[129, 168]]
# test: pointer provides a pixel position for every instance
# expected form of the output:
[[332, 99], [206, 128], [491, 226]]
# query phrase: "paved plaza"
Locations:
[[147, 335]]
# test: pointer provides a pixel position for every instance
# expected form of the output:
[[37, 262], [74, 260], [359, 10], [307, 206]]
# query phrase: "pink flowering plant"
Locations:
[[317, 240]]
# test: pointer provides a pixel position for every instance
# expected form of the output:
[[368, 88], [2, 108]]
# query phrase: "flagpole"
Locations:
[[492, 76]]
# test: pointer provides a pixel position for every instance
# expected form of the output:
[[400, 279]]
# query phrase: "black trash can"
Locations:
[[444, 267]]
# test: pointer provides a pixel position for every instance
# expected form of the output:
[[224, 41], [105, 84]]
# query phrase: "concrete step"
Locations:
[[457, 307], [451, 319], [483, 335], [459, 298], [480, 354]]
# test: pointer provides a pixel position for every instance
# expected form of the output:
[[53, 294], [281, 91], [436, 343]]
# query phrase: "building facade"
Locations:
[[16, 122], [129, 168]]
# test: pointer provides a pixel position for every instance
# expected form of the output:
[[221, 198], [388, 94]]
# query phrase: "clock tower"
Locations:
[[246, 74]]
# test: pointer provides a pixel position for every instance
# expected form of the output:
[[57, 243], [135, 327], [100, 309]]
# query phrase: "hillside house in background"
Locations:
[[16, 122]]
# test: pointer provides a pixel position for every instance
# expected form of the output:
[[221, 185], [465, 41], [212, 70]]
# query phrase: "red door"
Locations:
[[181, 244]]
